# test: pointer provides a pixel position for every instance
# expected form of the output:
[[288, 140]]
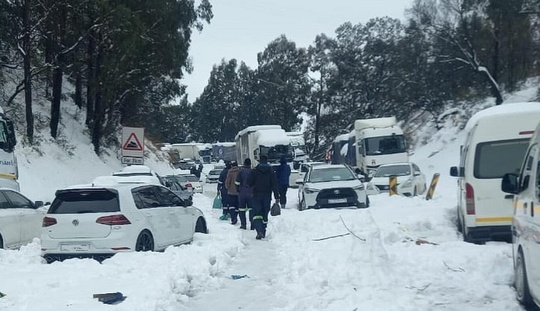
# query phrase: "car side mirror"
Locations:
[[509, 183], [361, 177], [457, 172], [416, 173], [39, 204]]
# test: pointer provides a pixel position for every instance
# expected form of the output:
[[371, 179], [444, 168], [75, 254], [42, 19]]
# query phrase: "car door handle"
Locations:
[[509, 196]]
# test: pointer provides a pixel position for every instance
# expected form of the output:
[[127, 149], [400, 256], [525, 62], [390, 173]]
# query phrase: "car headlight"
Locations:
[[407, 183], [311, 190]]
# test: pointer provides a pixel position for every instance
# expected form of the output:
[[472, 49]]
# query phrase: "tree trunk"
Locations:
[[56, 97], [27, 72], [90, 79], [98, 113]]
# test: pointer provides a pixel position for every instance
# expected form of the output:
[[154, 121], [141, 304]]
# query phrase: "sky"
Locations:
[[242, 28], [405, 254]]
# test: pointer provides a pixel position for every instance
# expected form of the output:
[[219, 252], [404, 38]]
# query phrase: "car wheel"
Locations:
[[459, 224], [414, 192], [520, 283], [145, 242], [1, 242], [201, 226], [367, 201]]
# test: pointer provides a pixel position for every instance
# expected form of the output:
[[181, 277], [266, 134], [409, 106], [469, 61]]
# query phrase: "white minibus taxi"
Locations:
[[526, 223], [497, 139]]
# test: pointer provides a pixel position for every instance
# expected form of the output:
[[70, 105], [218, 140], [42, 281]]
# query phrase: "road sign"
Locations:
[[132, 142], [132, 160]]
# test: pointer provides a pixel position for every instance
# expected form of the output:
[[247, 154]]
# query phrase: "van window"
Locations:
[[495, 158]]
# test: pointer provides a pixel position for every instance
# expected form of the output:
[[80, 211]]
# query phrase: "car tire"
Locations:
[[367, 201], [200, 226], [145, 242], [521, 284], [1, 242], [415, 193], [459, 224]]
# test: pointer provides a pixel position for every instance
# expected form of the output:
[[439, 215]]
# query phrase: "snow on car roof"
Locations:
[[135, 169], [502, 110], [226, 144], [326, 166]]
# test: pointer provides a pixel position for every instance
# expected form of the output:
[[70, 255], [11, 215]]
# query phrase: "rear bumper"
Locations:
[[489, 233]]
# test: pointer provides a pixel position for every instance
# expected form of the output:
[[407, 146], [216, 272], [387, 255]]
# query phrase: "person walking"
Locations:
[[283, 174], [245, 194], [232, 190], [223, 191], [263, 180]]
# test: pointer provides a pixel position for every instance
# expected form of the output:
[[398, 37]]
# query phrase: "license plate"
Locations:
[[75, 247], [335, 201]]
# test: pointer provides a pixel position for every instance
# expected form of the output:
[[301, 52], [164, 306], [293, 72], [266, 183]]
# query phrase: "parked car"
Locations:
[[496, 141], [524, 189], [213, 176], [110, 216], [410, 180], [331, 185], [172, 182], [300, 172], [20, 219], [191, 182]]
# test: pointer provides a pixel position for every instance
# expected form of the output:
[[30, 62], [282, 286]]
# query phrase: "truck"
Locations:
[[205, 152], [225, 151], [183, 151], [378, 141], [298, 146], [9, 171], [269, 140]]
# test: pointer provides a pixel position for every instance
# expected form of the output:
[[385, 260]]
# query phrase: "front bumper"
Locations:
[[336, 197]]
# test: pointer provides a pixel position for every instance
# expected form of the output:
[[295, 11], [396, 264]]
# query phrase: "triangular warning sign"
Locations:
[[132, 143]]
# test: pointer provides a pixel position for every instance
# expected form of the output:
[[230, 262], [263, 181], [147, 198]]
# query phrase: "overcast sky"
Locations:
[[242, 28]]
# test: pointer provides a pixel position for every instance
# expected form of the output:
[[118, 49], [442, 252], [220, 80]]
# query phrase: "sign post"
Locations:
[[133, 145]]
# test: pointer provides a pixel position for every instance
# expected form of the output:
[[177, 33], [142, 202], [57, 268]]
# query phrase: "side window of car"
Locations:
[[527, 170], [18, 201], [146, 198], [4, 203], [167, 197]]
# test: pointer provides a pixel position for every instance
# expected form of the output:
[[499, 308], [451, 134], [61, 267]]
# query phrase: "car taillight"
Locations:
[[48, 221], [113, 220], [188, 185], [469, 199]]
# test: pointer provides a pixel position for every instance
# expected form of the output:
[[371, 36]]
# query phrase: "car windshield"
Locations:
[[331, 174], [393, 170]]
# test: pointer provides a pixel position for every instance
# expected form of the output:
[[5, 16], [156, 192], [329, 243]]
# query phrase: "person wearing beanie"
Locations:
[[223, 191], [232, 190], [245, 194]]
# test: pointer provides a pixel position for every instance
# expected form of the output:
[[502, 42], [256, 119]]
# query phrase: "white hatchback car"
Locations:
[[20, 219], [411, 181], [331, 185], [110, 216]]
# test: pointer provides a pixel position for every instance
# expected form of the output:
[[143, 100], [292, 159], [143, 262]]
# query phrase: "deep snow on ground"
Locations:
[[399, 254]]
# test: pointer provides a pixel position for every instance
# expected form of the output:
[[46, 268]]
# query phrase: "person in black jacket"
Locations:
[[262, 179], [223, 191]]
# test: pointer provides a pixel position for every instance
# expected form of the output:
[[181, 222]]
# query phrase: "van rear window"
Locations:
[[85, 201], [495, 158]]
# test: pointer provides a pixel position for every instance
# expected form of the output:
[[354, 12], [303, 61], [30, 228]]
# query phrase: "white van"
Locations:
[[497, 139], [526, 223]]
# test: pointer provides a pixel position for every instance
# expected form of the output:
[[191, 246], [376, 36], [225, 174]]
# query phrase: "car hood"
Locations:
[[334, 184]]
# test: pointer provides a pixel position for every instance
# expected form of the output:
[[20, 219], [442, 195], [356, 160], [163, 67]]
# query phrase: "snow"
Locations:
[[272, 137], [399, 254], [503, 110]]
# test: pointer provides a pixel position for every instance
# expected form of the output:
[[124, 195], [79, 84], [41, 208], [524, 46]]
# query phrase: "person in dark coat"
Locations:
[[245, 194], [232, 190], [263, 181], [223, 191], [283, 174]]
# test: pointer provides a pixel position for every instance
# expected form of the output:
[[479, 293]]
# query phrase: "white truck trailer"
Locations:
[[269, 140], [379, 141], [298, 146], [179, 152]]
